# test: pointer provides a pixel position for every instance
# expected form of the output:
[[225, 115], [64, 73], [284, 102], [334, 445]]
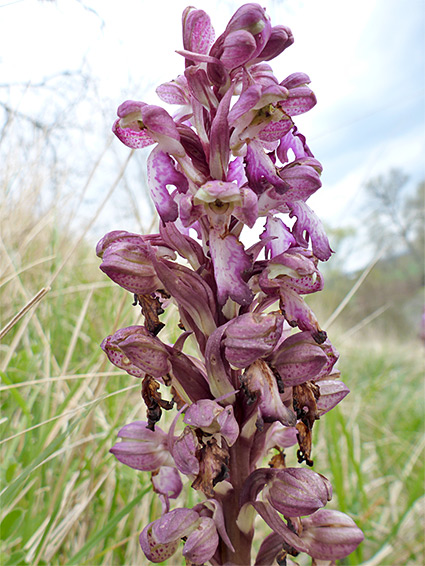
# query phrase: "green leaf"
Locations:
[[15, 394], [10, 523], [17, 559]]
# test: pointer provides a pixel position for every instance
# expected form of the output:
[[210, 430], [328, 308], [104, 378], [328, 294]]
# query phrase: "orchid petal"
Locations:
[[251, 336], [198, 33], [202, 542], [282, 237], [307, 221], [280, 39], [161, 172], [332, 392], [230, 263]]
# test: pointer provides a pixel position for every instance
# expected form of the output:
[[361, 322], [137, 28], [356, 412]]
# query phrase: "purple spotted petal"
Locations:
[[251, 336], [198, 33], [295, 80], [332, 392], [174, 92], [301, 99], [129, 127], [202, 542], [276, 130], [184, 452], [153, 550], [230, 263], [282, 237], [303, 181], [161, 173], [129, 265], [298, 359], [307, 221], [117, 357]]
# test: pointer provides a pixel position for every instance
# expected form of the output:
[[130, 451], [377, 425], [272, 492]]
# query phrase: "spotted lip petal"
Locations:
[[161, 174], [129, 127], [307, 221], [160, 539], [230, 263]]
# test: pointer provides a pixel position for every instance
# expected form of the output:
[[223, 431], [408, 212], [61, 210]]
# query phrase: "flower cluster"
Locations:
[[228, 158]]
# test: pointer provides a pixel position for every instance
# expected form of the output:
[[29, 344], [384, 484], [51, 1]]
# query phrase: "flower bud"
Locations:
[[134, 347], [184, 451], [127, 262], [251, 336], [167, 482], [142, 448], [330, 535], [297, 491]]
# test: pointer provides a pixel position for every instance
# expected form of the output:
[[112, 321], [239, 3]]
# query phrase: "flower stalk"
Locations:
[[230, 157]]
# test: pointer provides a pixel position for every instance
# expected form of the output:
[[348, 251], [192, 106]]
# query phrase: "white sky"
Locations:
[[365, 59]]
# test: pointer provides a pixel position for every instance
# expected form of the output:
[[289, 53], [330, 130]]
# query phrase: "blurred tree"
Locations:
[[396, 219]]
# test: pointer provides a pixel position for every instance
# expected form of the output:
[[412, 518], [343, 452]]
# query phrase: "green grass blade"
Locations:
[[78, 558]]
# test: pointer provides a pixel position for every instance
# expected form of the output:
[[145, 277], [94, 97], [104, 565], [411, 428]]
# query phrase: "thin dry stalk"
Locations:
[[352, 291], [31, 303]]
